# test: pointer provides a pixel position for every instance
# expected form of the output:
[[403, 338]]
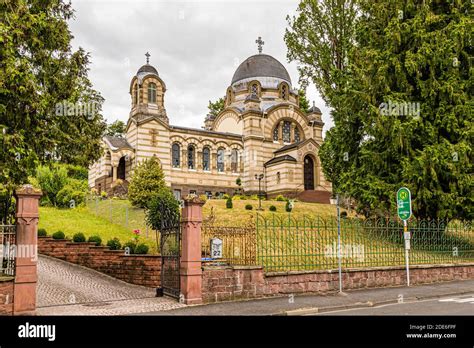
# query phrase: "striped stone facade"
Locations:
[[261, 130]]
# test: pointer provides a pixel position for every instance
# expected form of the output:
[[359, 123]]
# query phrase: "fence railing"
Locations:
[[287, 244], [282, 243], [7, 250]]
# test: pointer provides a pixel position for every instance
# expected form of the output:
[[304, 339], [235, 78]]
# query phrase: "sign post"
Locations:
[[404, 213]]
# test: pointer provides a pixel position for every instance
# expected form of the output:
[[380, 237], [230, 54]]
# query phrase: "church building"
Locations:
[[261, 137]]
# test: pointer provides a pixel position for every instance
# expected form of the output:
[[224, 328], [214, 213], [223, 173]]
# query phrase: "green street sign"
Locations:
[[404, 203]]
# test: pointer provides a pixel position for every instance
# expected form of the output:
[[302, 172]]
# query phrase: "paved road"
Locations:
[[68, 289], [452, 305], [305, 304]]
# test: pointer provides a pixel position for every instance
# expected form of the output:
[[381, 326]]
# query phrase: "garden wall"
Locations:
[[227, 283], [6, 295], [142, 270]]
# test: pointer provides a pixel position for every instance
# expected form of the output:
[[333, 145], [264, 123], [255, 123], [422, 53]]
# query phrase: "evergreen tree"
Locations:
[[146, 182]]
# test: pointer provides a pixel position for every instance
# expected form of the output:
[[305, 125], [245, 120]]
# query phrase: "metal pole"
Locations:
[[339, 242], [407, 262], [259, 194]]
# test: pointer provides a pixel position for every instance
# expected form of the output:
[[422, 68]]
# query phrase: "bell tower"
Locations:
[[147, 91]]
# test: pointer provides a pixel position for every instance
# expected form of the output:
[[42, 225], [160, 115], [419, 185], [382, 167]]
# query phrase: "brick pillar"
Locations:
[[190, 262], [27, 201]]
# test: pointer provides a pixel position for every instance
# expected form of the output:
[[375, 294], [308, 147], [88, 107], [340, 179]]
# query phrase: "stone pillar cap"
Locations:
[[193, 199], [28, 189]]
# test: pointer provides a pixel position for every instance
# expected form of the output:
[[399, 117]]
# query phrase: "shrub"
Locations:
[[273, 208], [95, 239], [165, 199], [146, 182], [51, 181], [288, 207], [236, 197], [203, 198], [131, 245], [114, 244], [141, 249], [228, 203], [79, 238], [103, 194], [42, 232], [59, 235], [280, 198], [225, 196], [70, 197], [253, 197], [248, 207]]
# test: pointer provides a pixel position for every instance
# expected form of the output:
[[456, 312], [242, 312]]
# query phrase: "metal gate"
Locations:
[[170, 248]]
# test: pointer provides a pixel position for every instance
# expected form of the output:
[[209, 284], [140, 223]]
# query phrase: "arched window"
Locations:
[[284, 92], [191, 156], [297, 134], [152, 93], [234, 157], [175, 154], [276, 134], [254, 89], [206, 153], [286, 131], [220, 160], [135, 94]]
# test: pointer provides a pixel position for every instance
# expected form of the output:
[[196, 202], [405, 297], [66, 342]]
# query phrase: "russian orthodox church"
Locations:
[[261, 137]]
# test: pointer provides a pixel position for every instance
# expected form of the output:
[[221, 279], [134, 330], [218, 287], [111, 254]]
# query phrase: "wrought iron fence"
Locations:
[[285, 244], [238, 243], [7, 250]]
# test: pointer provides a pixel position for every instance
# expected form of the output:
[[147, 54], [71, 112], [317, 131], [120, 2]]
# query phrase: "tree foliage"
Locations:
[[216, 107], [116, 129], [155, 213], [147, 181], [304, 103], [415, 54], [48, 108]]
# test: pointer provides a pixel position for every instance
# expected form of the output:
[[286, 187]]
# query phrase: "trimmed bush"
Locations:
[[59, 235], [141, 249], [273, 208], [95, 239], [147, 181], [280, 198], [114, 244], [42, 232], [79, 238], [229, 204], [131, 245], [248, 207], [288, 207]]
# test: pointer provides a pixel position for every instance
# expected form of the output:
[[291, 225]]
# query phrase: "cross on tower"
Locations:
[[259, 43], [147, 57]]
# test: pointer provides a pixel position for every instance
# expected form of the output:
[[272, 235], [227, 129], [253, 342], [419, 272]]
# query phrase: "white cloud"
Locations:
[[195, 46]]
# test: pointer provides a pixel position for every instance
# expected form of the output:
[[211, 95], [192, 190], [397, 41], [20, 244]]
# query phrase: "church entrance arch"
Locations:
[[308, 173], [121, 169]]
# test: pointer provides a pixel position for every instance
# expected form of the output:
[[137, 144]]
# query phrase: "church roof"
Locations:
[[280, 159], [261, 65], [287, 147], [117, 142], [147, 69]]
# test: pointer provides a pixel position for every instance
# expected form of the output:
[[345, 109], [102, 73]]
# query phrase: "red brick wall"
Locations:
[[136, 269], [6, 295], [243, 282]]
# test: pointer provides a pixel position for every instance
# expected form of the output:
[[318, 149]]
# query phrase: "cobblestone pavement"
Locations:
[[68, 289]]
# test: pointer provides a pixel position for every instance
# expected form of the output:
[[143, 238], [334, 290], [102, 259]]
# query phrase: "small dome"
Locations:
[[314, 110], [148, 69], [260, 65]]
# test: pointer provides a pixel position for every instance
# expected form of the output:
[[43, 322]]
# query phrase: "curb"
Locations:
[[368, 304]]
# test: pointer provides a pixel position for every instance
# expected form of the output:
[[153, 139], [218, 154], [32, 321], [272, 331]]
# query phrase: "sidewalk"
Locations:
[[306, 304]]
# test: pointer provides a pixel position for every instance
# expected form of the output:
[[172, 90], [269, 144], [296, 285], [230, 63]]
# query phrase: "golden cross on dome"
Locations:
[[259, 43], [147, 57]]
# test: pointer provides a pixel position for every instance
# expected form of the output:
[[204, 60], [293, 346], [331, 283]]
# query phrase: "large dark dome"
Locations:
[[148, 69], [261, 65]]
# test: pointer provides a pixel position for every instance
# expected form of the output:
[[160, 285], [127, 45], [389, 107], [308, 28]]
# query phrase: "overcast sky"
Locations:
[[196, 47]]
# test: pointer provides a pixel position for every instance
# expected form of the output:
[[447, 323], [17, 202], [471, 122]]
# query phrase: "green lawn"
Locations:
[[81, 219]]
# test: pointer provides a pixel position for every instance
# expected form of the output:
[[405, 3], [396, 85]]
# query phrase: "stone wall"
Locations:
[[6, 295], [242, 282], [135, 269]]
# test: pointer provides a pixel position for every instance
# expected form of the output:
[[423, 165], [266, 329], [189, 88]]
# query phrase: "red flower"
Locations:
[[137, 232]]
